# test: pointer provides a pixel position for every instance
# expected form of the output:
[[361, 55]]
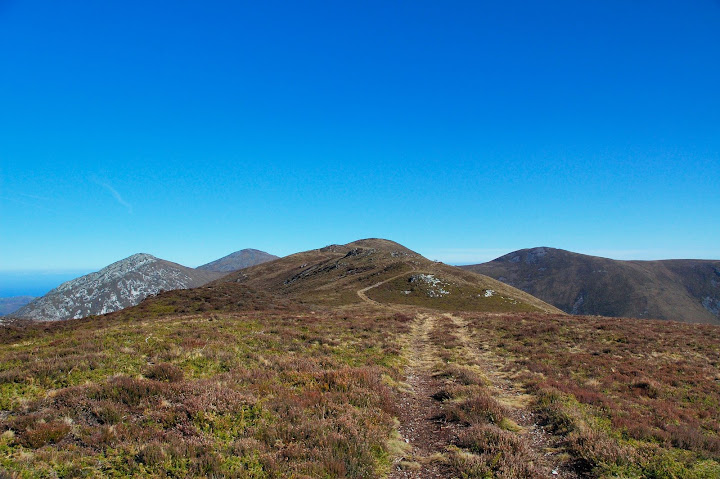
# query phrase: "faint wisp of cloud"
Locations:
[[16, 199], [113, 192], [34, 197]]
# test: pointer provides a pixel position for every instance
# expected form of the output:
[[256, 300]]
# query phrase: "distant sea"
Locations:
[[34, 283]]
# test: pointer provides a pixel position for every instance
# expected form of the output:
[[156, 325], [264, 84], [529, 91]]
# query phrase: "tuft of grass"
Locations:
[[488, 451]]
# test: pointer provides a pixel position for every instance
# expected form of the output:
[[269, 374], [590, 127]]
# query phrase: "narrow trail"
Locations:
[[428, 437], [364, 297], [512, 396]]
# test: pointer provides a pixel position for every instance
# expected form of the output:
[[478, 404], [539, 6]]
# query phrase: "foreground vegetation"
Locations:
[[231, 395], [628, 398], [190, 386]]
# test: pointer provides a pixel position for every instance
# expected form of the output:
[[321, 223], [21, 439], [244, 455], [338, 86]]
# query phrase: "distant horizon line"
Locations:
[[480, 256]]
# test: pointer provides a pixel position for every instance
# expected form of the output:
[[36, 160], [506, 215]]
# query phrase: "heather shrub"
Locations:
[[609, 388], [461, 374], [494, 453], [43, 433], [130, 392], [552, 408], [593, 449], [107, 412], [164, 372], [478, 408]]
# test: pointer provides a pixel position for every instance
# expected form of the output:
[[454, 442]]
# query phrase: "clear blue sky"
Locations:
[[463, 130]]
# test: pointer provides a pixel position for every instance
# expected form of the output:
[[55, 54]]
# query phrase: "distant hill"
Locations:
[[388, 273], [122, 284], [681, 290], [13, 303], [238, 260]]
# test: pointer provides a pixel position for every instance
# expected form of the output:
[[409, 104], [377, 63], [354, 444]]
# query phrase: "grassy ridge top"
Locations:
[[332, 275]]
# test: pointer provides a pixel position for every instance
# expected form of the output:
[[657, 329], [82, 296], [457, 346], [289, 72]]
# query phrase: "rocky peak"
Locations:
[[124, 283]]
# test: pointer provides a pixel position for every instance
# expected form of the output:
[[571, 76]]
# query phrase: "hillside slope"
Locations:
[[681, 290], [388, 272], [117, 286], [238, 260]]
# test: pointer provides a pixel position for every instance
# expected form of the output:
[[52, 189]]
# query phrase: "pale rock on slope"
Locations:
[[120, 285]]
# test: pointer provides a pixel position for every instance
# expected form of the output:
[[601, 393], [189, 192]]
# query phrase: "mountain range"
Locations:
[[329, 276], [545, 278], [128, 282], [681, 290], [387, 272]]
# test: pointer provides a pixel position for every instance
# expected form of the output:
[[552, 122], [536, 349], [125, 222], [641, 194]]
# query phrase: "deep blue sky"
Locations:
[[463, 130]]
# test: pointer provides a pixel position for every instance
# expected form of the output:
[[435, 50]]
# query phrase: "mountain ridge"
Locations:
[[333, 275], [677, 289]]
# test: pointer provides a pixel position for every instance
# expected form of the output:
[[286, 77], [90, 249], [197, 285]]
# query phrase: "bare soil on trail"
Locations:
[[421, 425]]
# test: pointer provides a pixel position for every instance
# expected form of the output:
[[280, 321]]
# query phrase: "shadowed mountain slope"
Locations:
[[681, 290], [388, 273], [117, 286], [238, 260]]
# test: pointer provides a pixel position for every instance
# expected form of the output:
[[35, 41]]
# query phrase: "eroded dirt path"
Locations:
[[429, 438], [425, 435], [420, 427]]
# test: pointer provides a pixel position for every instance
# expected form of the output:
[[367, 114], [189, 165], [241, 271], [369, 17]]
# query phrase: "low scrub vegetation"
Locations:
[[488, 442], [290, 392], [631, 398], [214, 395]]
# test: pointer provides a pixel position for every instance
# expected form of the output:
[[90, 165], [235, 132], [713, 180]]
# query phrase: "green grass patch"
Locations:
[[449, 295]]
